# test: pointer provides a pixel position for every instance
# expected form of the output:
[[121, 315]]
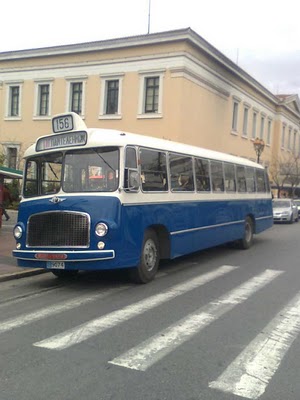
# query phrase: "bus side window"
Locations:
[[182, 176], [230, 179], [250, 180], [202, 175], [217, 177], [260, 180], [153, 171], [130, 164], [241, 179]]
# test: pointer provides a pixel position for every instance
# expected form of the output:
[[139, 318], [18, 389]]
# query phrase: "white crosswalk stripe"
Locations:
[[152, 350], [98, 325], [26, 319], [249, 374]]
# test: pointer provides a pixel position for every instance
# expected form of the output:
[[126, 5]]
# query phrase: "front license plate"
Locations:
[[55, 264]]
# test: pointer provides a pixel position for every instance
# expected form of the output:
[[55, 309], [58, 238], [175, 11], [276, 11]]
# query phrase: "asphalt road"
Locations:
[[222, 324]]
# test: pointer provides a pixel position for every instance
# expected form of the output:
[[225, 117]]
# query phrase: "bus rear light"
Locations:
[[50, 256]]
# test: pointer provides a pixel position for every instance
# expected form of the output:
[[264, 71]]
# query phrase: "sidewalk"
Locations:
[[8, 264]]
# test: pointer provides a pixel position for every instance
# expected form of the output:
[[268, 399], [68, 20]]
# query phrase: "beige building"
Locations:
[[172, 84]]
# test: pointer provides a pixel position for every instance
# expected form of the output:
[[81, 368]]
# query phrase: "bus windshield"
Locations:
[[88, 170]]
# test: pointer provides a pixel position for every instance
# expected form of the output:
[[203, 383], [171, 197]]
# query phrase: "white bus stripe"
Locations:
[[26, 319], [143, 356], [250, 373], [98, 325]]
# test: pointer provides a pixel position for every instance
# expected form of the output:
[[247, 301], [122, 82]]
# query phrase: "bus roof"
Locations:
[[97, 137]]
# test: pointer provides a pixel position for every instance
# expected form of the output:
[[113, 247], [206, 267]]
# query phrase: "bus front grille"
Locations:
[[58, 229]]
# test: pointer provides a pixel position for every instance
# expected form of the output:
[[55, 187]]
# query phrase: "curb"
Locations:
[[22, 274]]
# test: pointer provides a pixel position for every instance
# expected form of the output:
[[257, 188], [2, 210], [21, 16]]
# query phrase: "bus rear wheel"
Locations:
[[149, 261], [246, 241]]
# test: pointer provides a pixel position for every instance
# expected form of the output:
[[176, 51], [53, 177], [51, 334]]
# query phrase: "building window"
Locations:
[[269, 131], [12, 157], [294, 142], [112, 97], [254, 125], [43, 99], [151, 94], [262, 127], [14, 101], [245, 122], [234, 125], [76, 97], [290, 139], [150, 98], [283, 136]]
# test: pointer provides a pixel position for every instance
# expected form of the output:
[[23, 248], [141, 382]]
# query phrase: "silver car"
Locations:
[[297, 202], [285, 210]]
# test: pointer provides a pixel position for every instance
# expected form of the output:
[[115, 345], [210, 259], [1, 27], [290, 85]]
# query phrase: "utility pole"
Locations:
[[149, 14]]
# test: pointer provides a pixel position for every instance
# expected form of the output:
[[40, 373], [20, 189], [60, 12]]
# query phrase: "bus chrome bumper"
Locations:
[[67, 256]]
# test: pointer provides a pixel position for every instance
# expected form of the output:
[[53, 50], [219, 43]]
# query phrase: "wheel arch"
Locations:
[[163, 237]]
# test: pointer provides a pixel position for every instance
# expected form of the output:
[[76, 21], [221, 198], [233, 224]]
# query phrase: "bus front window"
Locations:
[[43, 175], [91, 170]]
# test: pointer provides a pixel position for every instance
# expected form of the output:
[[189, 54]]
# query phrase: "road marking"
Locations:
[[26, 319], [250, 373], [98, 325], [149, 352]]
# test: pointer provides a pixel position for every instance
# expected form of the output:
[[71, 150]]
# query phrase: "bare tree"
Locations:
[[285, 171]]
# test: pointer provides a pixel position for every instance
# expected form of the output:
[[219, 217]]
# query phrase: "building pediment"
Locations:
[[291, 101]]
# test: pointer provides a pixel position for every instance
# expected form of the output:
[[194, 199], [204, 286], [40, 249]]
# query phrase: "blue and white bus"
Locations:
[[98, 199]]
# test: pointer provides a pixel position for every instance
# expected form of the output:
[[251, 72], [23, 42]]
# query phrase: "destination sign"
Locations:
[[61, 140]]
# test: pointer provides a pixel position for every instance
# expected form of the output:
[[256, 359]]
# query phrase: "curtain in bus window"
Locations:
[[217, 176], [230, 181], [202, 175], [241, 179], [182, 176], [153, 171]]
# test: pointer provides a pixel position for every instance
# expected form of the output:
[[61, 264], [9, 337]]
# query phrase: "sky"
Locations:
[[261, 36]]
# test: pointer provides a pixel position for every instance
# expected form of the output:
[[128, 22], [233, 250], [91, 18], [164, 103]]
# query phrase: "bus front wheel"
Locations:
[[148, 265], [246, 241]]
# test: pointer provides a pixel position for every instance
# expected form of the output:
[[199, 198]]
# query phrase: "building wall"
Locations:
[[198, 89]]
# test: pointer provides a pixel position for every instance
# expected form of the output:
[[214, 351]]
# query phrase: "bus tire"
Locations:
[[247, 240], [149, 261], [64, 274]]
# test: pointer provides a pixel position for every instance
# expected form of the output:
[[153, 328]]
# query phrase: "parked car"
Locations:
[[285, 210], [297, 202]]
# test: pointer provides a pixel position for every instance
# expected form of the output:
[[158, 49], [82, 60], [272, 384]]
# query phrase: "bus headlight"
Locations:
[[18, 232], [101, 229]]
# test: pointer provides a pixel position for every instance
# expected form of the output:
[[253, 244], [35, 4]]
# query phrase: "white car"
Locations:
[[285, 210]]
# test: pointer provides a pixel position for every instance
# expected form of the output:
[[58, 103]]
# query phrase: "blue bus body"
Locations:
[[190, 226]]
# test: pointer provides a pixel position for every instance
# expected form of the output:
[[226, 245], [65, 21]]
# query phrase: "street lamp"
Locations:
[[259, 146]]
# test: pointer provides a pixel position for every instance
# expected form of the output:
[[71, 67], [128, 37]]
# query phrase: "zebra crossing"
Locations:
[[247, 376]]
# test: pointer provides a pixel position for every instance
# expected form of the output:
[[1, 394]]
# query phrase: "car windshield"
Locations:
[[281, 203]]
